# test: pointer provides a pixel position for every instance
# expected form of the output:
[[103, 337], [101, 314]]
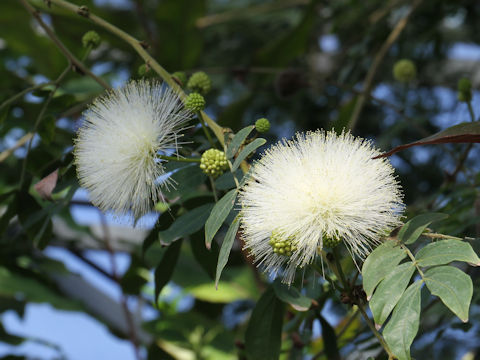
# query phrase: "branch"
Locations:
[[24, 92], [368, 83], [71, 58], [138, 46], [22, 141]]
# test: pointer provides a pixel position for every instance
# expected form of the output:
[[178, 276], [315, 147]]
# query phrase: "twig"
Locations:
[[174, 158], [39, 119], [205, 130], [128, 316], [72, 59], [138, 46], [339, 272], [5, 154], [226, 16], [24, 92], [368, 83]]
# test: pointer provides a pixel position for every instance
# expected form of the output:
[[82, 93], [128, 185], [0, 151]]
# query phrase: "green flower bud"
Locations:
[[195, 102], [180, 76], [143, 70], [91, 38], [281, 245], [331, 242], [262, 125], [199, 82], [213, 162], [464, 90], [404, 70]]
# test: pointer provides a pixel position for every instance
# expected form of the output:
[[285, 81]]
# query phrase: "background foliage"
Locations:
[[302, 64]]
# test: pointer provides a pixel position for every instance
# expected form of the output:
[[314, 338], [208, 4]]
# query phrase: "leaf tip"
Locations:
[[378, 326]]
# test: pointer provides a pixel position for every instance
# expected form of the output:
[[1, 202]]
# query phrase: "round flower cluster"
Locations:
[[318, 186], [195, 102], [180, 76], [117, 146], [91, 39], [213, 162], [404, 70], [281, 245], [331, 242], [262, 125], [199, 82]]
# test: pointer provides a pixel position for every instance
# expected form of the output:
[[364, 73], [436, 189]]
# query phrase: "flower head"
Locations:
[[319, 186], [116, 149]]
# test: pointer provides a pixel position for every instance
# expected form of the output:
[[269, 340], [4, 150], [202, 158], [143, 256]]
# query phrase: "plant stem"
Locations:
[[213, 189], [368, 82], [360, 304], [139, 48], [23, 92], [205, 130], [414, 261], [39, 119], [179, 159], [470, 110], [71, 58]]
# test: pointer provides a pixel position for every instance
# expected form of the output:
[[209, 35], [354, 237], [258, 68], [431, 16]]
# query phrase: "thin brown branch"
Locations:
[[368, 82], [71, 58], [139, 47], [227, 16], [22, 141]]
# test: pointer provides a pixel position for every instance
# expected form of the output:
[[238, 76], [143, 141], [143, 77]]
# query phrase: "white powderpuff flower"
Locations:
[[318, 186], [117, 147]]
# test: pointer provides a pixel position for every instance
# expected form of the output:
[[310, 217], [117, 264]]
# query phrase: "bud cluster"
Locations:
[[464, 90], [91, 39], [281, 245], [404, 71], [199, 82], [195, 102], [262, 125], [180, 76], [331, 242], [213, 162]]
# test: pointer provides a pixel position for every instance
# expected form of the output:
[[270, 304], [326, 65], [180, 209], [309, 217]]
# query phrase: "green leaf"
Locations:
[[453, 287], [33, 290], [247, 150], [329, 339], [47, 129], [389, 291], [218, 215], [411, 231], [379, 264], [226, 293], [187, 224], [226, 181], [226, 248], [461, 133], [292, 296], [165, 268], [264, 330], [403, 326], [186, 179], [290, 44], [237, 141], [3, 114], [445, 251], [206, 258]]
